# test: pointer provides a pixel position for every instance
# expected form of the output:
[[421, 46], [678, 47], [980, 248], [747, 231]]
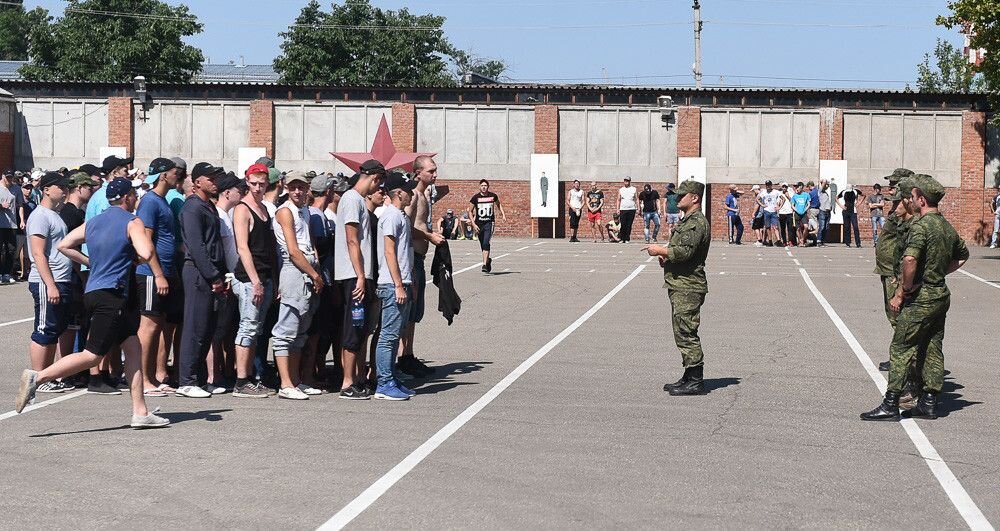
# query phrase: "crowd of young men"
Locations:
[[211, 267]]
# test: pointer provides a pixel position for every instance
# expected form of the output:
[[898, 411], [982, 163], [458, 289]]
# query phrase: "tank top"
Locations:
[[111, 251], [261, 241], [302, 237]]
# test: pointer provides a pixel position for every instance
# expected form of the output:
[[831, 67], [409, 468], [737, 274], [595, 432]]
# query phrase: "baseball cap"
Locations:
[[320, 184], [800, 183], [90, 170], [81, 178], [158, 166], [114, 161], [256, 168], [399, 180], [227, 181], [273, 175], [755, 187], [204, 169], [628, 179], [118, 188], [52, 178], [691, 186], [340, 184], [295, 175], [451, 211], [372, 167], [266, 161], [768, 182], [179, 163]]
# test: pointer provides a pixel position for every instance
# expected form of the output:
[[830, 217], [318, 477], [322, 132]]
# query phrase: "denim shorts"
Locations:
[[251, 317], [770, 219]]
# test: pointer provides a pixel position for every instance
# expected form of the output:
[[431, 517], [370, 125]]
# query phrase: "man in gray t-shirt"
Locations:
[[51, 273], [8, 229]]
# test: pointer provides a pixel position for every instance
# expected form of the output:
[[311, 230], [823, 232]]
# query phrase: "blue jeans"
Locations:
[[824, 223], [655, 218], [877, 224], [251, 316], [394, 316]]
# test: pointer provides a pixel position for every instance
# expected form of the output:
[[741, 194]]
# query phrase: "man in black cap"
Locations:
[[204, 277], [684, 277]]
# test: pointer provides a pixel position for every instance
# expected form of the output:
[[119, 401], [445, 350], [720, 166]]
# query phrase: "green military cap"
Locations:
[[928, 186], [898, 175], [273, 175], [81, 178], [691, 186]]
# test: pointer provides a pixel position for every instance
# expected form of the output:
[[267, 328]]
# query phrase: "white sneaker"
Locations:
[[213, 389], [309, 390], [758, 244], [994, 246], [151, 420], [192, 391], [25, 390], [292, 393]]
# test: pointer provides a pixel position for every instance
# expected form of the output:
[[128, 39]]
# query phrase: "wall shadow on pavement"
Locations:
[[712, 384]]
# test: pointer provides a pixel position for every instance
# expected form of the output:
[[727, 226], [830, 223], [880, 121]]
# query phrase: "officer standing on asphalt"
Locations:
[[885, 247], [683, 262], [933, 250]]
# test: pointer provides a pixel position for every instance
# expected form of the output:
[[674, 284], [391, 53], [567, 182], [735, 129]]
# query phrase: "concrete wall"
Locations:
[[306, 133], [608, 144], [195, 131], [478, 142], [992, 157], [752, 146], [877, 142], [57, 132]]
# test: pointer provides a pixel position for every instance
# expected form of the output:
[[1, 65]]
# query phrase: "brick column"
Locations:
[[404, 127], [689, 132], [831, 134], [262, 125], [974, 220], [6, 150], [120, 124], [547, 129]]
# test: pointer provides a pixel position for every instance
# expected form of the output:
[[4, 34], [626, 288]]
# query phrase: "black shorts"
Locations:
[[352, 337], [150, 303], [574, 219], [757, 223], [112, 319]]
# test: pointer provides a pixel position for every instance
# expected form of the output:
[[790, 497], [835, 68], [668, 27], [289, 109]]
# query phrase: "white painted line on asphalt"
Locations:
[[962, 271], [549, 269], [19, 321], [650, 259], [473, 266], [789, 252], [848, 275], [796, 260], [722, 272], [522, 248], [383, 484], [763, 274], [591, 271], [40, 405], [508, 269], [539, 243], [967, 508]]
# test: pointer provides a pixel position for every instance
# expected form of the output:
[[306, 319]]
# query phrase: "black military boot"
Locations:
[[883, 366], [693, 385], [925, 408], [668, 387], [887, 410]]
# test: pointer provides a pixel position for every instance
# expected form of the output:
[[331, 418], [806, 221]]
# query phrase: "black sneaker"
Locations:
[[420, 365], [489, 265], [98, 386], [484, 268], [408, 365], [354, 393]]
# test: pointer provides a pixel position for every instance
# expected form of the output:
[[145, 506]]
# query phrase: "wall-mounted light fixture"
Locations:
[[139, 82]]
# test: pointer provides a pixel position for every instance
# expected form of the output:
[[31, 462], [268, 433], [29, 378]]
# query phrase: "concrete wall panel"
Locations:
[[875, 143], [175, 130], [633, 138], [351, 135], [663, 144], [887, 141], [317, 132], [460, 136], [207, 133], [146, 134], [602, 138], [236, 132], [919, 140], [715, 139], [36, 131], [521, 136], [857, 141], [430, 130], [948, 147], [775, 140], [805, 140], [491, 136], [744, 140], [573, 137], [68, 132]]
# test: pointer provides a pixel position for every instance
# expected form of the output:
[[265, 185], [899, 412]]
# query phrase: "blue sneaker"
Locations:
[[389, 392], [404, 389]]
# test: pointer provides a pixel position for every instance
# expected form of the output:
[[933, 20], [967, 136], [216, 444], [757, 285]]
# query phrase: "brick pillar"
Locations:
[[689, 132], [6, 150], [120, 124], [262, 125], [547, 129], [974, 221], [831, 134], [404, 127]]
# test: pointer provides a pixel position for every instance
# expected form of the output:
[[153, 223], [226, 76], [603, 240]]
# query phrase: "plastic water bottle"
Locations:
[[357, 313]]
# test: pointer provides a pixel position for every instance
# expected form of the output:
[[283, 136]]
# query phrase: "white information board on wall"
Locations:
[[246, 157], [835, 172], [693, 168], [544, 186]]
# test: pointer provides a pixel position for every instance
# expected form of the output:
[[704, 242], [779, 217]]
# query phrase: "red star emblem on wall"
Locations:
[[383, 151]]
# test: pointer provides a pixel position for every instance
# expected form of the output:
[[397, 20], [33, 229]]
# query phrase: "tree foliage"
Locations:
[[467, 62], [983, 16], [15, 28], [114, 41], [356, 43], [951, 71]]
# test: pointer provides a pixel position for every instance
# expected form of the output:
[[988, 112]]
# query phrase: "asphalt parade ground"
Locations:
[[547, 412]]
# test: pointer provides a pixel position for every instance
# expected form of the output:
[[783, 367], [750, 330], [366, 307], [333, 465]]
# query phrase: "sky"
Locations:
[[787, 43]]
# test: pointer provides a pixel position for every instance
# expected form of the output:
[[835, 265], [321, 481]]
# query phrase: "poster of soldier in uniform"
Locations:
[[544, 186]]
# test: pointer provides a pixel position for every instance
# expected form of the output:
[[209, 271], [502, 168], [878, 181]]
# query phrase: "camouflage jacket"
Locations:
[[685, 269], [885, 249], [902, 235], [934, 243]]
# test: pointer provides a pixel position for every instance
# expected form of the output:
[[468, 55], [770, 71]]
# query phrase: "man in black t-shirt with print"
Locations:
[[847, 200], [483, 213], [595, 202]]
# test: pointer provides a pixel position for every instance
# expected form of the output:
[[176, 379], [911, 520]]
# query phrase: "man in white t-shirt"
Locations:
[[770, 201], [996, 221], [626, 209], [574, 206]]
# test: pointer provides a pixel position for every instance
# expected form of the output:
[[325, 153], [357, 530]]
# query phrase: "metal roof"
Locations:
[[210, 73]]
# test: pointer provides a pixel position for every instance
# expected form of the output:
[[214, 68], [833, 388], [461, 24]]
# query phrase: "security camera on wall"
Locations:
[[666, 105]]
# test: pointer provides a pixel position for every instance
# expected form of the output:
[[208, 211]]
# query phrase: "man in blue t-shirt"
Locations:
[[157, 283], [800, 208], [732, 204]]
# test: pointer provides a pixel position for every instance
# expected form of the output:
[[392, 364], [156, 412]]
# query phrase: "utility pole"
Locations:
[[697, 43]]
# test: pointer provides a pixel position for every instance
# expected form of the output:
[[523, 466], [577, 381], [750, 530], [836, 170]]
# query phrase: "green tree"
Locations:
[[951, 72], [356, 43], [114, 41], [15, 27], [983, 17], [467, 62]]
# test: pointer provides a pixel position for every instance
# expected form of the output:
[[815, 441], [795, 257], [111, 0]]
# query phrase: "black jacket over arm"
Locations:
[[449, 303]]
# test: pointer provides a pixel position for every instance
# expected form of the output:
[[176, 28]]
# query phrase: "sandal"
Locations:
[[154, 392], [165, 388]]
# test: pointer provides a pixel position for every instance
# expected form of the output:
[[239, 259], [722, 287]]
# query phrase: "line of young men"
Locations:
[[231, 250], [619, 228]]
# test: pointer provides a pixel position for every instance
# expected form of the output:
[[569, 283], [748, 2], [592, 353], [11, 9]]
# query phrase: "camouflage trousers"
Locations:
[[919, 339], [888, 290], [686, 318]]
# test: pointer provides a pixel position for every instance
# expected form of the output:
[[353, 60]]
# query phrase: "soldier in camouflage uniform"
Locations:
[[683, 264], [933, 250]]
